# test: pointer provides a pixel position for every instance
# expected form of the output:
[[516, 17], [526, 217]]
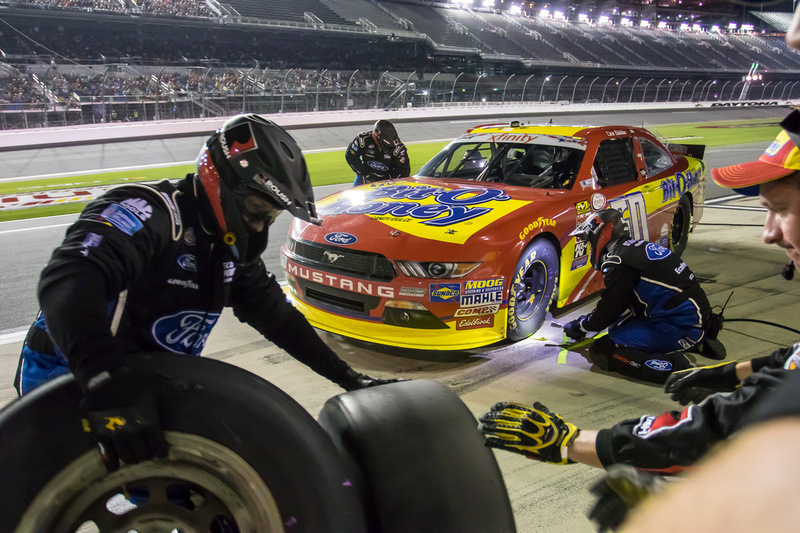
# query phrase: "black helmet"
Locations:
[[600, 229], [385, 133], [251, 155]]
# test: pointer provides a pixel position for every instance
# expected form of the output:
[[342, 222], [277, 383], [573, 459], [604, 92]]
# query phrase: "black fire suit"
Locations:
[[671, 442], [373, 162], [144, 270]]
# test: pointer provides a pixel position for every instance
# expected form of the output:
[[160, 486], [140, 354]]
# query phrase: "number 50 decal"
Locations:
[[634, 212]]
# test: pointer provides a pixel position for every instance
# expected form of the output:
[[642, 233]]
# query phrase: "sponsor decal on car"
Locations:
[[598, 201], [581, 255], [582, 207], [416, 292], [477, 311], [341, 238], [331, 257], [540, 222], [445, 292], [423, 210], [184, 332], [476, 322], [340, 282], [678, 184], [482, 292]]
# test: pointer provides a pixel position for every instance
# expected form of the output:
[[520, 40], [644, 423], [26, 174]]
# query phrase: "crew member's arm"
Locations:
[[401, 167], [258, 300], [620, 281], [353, 158]]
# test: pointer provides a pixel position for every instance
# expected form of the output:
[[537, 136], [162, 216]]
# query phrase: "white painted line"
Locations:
[[32, 229], [16, 336]]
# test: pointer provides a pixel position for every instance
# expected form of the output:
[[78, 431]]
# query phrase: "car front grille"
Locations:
[[343, 260]]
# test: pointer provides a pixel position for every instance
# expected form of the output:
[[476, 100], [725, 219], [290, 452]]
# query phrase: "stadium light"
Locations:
[[583, 17], [732, 26], [697, 27], [544, 13], [662, 25], [715, 28], [644, 23], [625, 21], [558, 15], [684, 26], [747, 27], [515, 9], [488, 3], [604, 19]]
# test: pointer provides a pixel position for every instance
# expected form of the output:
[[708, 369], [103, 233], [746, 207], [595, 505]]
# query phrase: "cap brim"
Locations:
[[747, 175]]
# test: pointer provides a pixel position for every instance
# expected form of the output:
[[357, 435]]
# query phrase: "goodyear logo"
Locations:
[[678, 184], [445, 292]]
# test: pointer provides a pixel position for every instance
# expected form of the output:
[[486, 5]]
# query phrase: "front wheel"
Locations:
[[681, 223], [532, 289]]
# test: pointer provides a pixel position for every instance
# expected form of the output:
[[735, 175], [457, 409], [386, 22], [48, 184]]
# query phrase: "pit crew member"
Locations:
[[653, 306], [378, 155], [149, 268]]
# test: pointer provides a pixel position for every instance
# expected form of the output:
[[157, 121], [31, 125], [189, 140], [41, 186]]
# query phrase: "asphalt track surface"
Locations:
[[725, 252]]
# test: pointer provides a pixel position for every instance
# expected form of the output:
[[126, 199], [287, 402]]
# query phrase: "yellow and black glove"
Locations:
[[534, 432]]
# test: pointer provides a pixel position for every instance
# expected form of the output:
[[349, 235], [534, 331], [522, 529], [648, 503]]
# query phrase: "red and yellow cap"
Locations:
[[781, 159]]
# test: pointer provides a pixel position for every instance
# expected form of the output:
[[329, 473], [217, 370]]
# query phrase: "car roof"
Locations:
[[541, 129]]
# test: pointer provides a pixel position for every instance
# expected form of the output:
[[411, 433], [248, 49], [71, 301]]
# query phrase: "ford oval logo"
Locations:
[[341, 238]]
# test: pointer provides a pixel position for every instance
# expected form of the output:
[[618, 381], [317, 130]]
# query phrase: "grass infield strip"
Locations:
[[328, 168]]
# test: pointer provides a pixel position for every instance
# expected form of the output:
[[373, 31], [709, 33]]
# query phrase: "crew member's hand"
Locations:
[[575, 329], [693, 385], [355, 381], [533, 432], [120, 410], [618, 491]]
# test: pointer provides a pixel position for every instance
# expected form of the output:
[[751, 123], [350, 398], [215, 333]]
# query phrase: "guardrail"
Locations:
[[35, 138]]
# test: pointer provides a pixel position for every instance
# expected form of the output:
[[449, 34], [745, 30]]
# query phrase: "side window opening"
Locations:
[[614, 162], [656, 159]]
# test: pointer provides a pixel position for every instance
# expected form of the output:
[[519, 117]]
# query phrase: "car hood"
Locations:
[[449, 212]]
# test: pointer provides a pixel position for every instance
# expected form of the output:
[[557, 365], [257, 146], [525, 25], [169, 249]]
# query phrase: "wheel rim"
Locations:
[[678, 227], [201, 486], [529, 290]]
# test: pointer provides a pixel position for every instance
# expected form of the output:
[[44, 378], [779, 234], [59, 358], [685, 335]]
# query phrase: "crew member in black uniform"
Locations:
[[378, 155], [149, 268], [652, 305]]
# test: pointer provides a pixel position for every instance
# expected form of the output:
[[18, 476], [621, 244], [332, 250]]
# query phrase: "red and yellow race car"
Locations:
[[476, 247]]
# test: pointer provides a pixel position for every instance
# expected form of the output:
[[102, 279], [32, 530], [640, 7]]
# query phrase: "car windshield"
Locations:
[[521, 164]]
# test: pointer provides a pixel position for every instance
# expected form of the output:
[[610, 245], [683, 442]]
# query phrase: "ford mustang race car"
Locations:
[[476, 246]]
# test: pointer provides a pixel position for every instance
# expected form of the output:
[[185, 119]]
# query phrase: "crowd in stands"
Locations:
[[179, 8], [59, 88]]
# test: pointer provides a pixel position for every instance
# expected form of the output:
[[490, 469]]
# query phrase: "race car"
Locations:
[[476, 248]]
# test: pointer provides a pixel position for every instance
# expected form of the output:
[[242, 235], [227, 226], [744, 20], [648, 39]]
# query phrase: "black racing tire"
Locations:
[[533, 285], [251, 454], [425, 468], [681, 224]]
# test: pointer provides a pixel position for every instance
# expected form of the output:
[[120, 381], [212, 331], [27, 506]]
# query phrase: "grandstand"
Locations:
[[88, 60]]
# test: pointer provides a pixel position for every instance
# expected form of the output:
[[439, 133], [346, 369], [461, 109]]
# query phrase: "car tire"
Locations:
[[425, 467], [681, 224], [241, 451], [533, 285]]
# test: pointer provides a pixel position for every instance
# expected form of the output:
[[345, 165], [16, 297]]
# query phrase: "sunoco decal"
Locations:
[[423, 210], [445, 292]]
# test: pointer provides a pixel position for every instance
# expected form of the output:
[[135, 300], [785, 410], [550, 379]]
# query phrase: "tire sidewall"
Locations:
[[684, 210], [543, 252], [263, 425]]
